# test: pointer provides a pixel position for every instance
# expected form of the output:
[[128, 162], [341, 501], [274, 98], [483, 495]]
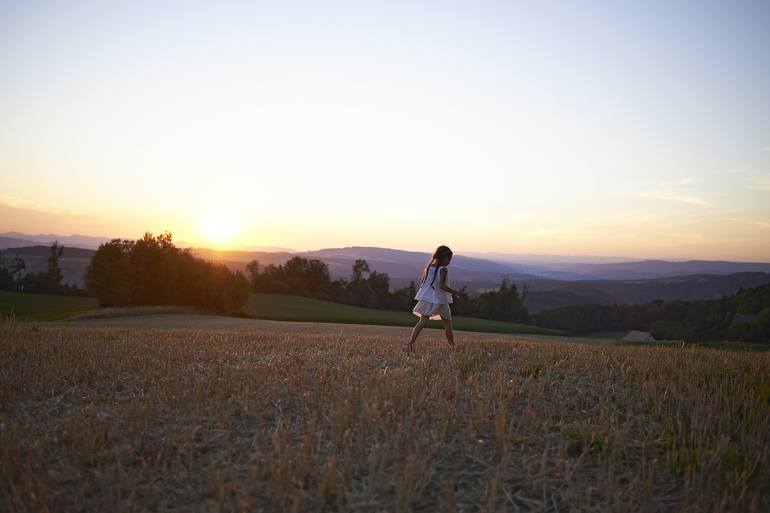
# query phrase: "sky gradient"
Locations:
[[597, 128]]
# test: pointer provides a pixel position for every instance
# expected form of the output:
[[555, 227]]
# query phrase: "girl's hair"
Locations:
[[440, 253]]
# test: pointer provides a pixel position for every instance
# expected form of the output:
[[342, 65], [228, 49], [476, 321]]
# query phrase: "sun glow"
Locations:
[[218, 227]]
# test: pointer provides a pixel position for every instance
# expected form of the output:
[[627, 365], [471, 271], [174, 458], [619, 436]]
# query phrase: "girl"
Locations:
[[434, 296]]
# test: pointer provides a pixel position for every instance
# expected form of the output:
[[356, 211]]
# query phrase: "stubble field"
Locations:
[[130, 419]]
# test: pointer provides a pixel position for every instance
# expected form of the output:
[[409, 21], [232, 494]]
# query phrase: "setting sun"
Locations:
[[218, 227]]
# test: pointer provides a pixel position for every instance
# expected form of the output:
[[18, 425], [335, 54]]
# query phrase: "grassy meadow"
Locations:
[[279, 307], [43, 307], [95, 419]]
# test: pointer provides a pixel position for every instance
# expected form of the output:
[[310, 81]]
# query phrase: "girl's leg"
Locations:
[[450, 336], [416, 330]]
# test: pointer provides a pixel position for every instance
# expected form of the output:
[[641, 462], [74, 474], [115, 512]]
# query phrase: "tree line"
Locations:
[[153, 271], [693, 321], [371, 289], [13, 275], [310, 277]]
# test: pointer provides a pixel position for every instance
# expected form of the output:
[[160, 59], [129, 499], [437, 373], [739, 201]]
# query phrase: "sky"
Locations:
[[637, 129]]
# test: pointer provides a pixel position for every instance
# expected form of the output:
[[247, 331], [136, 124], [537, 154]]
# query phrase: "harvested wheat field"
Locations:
[[117, 419]]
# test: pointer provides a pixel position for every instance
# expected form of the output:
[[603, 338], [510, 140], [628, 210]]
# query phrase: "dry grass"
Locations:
[[150, 420]]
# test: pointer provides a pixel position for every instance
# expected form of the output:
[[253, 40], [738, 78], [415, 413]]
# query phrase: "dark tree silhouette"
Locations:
[[152, 271], [54, 270], [6, 276], [108, 276], [18, 266]]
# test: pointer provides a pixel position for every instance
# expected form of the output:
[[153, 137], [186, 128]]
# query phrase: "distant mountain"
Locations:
[[244, 257], [648, 269], [14, 242], [40, 251], [554, 294], [534, 258], [545, 291], [550, 284], [80, 241], [73, 261], [568, 267], [271, 249], [407, 265]]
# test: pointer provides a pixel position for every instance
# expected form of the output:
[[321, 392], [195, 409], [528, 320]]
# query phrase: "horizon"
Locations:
[[592, 130], [566, 258]]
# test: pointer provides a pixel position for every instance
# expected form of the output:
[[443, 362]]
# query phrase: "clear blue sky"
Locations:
[[556, 127]]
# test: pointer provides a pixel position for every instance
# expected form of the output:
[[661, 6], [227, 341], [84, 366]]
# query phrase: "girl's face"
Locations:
[[445, 260]]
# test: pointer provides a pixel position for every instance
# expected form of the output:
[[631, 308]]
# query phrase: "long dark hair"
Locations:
[[439, 254]]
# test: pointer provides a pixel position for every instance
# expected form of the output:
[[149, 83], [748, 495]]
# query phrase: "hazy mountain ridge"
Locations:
[[73, 261], [554, 294], [75, 240], [14, 242], [602, 283], [663, 268], [41, 251]]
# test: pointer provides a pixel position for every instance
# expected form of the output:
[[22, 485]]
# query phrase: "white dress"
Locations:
[[431, 300]]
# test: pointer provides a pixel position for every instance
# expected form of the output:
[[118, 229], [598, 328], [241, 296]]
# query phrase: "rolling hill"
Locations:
[[555, 294], [550, 285], [651, 269], [16, 239], [73, 261]]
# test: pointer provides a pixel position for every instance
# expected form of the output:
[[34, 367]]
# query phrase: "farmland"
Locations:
[[280, 307], [43, 307], [307, 419], [283, 307]]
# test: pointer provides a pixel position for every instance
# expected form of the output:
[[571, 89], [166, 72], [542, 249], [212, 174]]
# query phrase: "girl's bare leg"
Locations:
[[450, 336], [416, 331]]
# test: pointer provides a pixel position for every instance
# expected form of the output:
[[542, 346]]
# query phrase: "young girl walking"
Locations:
[[434, 296]]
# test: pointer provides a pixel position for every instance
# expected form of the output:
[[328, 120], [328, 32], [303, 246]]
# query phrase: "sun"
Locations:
[[219, 227]]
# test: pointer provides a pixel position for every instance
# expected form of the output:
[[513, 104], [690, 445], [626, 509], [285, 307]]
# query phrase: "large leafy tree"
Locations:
[[108, 277], [152, 271]]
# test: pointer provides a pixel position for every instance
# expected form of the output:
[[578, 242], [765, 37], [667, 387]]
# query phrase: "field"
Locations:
[[44, 307], [281, 307], [295, 417]]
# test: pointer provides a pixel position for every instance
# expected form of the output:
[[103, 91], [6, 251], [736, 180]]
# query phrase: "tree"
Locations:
[[108, 276], [253, 268], [310, 277], [403, 298], [360, 267], [18, 266], [152, 271], [359, 290], [306, 277], [379, 287], [6, 276], [762, 323], [152, 263], [54, 274], [503, 304]]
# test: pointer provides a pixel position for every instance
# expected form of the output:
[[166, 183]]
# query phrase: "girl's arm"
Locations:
[[444, 286]]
